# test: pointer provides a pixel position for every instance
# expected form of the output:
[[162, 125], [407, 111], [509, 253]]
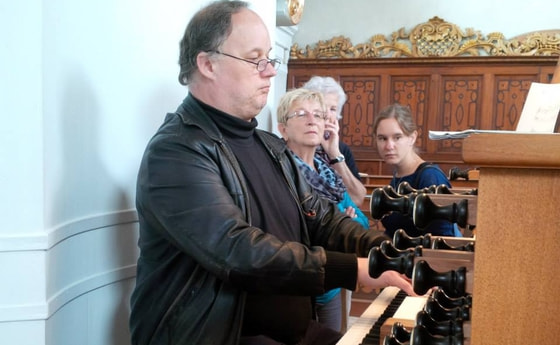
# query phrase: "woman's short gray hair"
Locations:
[[326, 86]]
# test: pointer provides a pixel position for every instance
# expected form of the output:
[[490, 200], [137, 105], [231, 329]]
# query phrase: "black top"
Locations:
[[349, 159], [282, 317], [425, 175]]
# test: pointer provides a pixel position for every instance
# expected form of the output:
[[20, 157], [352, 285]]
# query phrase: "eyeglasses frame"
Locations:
[[300, 114], [274, 62]]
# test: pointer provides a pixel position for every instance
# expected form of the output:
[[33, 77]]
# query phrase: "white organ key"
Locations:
[[410, 307]]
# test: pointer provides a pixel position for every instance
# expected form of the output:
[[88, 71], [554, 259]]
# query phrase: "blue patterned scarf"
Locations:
[[325, 180]]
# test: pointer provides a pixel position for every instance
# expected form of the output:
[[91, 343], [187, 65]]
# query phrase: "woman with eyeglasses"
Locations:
[[302, 119], [332, 145]]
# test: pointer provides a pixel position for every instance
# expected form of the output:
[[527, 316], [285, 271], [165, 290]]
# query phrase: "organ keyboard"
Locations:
[[391, 302], [364, 323]]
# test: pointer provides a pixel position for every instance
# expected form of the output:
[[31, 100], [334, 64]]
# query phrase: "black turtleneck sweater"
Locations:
[[275, 211]]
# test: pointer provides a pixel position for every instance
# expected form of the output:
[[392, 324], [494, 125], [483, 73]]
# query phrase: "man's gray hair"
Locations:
[[206, 32]]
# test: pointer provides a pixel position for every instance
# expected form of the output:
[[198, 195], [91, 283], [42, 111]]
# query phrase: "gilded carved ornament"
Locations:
[[289, 12], [432, 39]]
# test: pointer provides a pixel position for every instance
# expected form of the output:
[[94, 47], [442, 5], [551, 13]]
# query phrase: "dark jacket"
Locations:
[[199, 252]]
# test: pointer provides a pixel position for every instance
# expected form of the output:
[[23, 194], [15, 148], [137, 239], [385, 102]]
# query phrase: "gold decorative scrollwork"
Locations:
[[295, 9], [432, 39]]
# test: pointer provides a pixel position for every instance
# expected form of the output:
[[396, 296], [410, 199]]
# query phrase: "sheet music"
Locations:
[[540, 111], [438, 135]]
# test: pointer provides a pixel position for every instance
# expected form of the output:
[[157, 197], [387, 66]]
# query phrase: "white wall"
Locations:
[[22, 271], [361, 19], [83, 86]]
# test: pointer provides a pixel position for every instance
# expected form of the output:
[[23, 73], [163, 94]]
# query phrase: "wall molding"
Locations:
[[46, 240], [43, 311]]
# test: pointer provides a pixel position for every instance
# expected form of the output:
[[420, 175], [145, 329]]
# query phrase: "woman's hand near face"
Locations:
[[331, 144]]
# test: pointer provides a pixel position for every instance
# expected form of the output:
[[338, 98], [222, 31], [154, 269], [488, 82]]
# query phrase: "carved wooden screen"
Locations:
[[448, 86]]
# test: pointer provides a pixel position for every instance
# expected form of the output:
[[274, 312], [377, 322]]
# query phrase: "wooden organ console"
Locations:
[[515, 280]]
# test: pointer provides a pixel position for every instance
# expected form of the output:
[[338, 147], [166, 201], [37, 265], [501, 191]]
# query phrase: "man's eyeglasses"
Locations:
[[261, 64], [303, 114]]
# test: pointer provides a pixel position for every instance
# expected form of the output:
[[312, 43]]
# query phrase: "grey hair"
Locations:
[[206, 32], [327, 85]]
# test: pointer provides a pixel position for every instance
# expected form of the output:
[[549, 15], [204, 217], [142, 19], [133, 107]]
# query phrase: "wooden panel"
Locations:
[[516, 279], [510, 92], [444, 93], [359, 111], [513, 150], [413, 90], [517, 255], [460, 104]]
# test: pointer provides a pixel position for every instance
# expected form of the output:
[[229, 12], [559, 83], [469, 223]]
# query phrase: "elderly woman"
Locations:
[[335, 97], [301, 121]]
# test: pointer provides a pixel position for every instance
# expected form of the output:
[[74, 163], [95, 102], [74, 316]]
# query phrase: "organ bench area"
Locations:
[[513, 283]]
